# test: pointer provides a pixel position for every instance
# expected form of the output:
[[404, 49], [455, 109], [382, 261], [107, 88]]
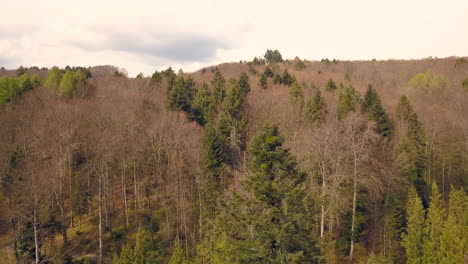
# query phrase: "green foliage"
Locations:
[[140, 76], [121, 73], [412, 240], [244, 83], [35, 81], [53, 78], [316, 108], [9, 89], [378, 259], [156, 78], [252, 69], [25, 83], [80, 79], [273, 56], [213, 156], [285, 78], [412, 155], [268, 72], [66, 88], [347, 77], [268, 226], [330, 86], [465, 84], [219, 87], [454, 239], [299, 65], [372, 105], [235, 102], [460, 61], [142, 253], [79, 199], [170, 76], [203, 107], [295, 93], [404, 109], [263, 82], [181, 94], [428, 83], [348, 100], [278, 191], [433, 227], [178, 256], [21, 71]]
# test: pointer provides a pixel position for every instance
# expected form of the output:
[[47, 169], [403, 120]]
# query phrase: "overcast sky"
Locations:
[[143, 36]]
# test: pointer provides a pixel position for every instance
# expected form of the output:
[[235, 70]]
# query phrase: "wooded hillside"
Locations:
[[266, 161]]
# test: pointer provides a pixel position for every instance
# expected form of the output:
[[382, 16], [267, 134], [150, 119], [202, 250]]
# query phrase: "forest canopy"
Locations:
[[267, 161]]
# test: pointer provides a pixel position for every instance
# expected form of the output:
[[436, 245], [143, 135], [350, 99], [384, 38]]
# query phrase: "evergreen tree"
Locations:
[[369, 99], [143, 246], [413, 239], [213, 156], [181, 95], [244, 83], [273, 56], [156, 78], [235, 102], [268, 72], [316, 108], [66, 88], [295, 93], [330, 86], [434, 227], [287, 79], [348, 100], [126, 256], [219, 87], [177, 255], [278, 191], [203, 107], [412, 156], [404, 109], [263, 82], [454, 238], [372, 105], [171, 77]]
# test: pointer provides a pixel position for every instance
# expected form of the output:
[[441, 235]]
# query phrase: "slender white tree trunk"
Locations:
[[351, 248], [100, 216], [124, 190], [36, 243]]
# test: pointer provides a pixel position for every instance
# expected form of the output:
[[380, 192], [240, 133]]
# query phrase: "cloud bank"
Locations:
[[143, 36]]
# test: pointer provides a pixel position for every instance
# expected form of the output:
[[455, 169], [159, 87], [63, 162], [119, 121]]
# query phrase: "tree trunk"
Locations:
[[322, 215], [107, 201], [89, 191], [135, 183], [61, 206], [100, 215], [353, 218], [71, 190], [36, 243], [124, 192], [322, 221]]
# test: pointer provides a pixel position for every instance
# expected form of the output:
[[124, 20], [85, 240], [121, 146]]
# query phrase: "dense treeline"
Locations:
[[271, 161]]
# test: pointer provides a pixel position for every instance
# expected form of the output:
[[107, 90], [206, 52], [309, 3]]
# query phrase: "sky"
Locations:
[[144, 36]]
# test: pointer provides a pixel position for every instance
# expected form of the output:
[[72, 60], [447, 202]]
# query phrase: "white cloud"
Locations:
[[143, 36]]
